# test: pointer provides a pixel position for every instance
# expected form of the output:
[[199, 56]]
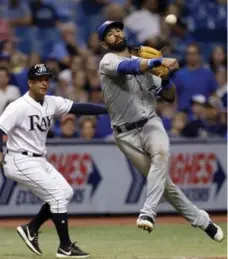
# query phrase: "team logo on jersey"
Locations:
[[42, 124], [199, 175]]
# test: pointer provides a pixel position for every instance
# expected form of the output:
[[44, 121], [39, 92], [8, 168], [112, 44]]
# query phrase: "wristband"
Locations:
[[155, 62]]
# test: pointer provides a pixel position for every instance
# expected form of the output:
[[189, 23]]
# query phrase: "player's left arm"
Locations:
[[87, 109], [64, 106], [168, 91], [163, 88]]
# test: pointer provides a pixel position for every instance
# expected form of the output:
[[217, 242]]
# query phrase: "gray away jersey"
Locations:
[[128, 98]]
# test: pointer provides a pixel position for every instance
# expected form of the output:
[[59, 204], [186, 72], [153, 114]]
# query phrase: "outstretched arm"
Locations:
[[137, 65], [112, 65], [87, 109]]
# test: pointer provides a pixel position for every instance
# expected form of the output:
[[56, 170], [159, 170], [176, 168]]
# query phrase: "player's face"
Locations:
[[115, 39], [39, 86]]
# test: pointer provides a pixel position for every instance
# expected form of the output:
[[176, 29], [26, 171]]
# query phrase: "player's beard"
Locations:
[[120, 46]]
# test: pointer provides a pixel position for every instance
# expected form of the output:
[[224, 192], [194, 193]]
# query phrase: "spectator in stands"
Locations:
[[67, 47], [92, 74], [63, 87], [218, 58], [8, 93], [5, 30], [44, 15], [144, 23], [76, 64], [16, 64], [19, 64], [8, 48], [78, 93], [221, 76], [95, 96], [92, 17], [18, 13], [87, 126], [34, 58], [68, 126], [44, 20], [114, 12], [161, 5], [197, 107], [193, 79], [53, 65], [166, 112], [210, 125], [6, 63], [178, 123], [94, 45]]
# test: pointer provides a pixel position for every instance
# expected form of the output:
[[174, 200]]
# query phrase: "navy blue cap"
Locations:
[[39, 70], [104, 27]]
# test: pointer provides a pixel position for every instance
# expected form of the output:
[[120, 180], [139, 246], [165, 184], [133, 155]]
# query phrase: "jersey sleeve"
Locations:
[[109, 64], [62, 105], [9, 118]]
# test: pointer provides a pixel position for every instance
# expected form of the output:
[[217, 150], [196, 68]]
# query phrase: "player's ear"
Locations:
[[29, 83]]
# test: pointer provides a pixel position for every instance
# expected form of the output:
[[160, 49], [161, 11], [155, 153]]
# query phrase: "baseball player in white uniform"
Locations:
[[130, 92], [26, 121]]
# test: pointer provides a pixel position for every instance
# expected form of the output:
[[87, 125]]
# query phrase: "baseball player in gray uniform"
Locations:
[[26, 121], [130, 92]]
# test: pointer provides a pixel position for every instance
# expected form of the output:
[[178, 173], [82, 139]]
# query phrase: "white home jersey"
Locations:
[[26, 122]]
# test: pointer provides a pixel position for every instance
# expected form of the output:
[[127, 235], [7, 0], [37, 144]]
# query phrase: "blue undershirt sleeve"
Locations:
[[87, 109]]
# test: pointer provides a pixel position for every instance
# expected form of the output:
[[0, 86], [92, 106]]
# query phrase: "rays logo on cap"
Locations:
[[40, 68]]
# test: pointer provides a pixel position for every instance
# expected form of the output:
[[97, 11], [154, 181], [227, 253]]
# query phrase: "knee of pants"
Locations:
[[58, 203], [69, 194], [161, 159]]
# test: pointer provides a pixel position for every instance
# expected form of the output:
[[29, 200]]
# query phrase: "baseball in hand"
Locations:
[[171, 19]]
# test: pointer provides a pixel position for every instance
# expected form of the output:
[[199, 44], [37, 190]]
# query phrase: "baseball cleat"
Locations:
[[71, 251], [145, 222], [31, 240], [214, 232]]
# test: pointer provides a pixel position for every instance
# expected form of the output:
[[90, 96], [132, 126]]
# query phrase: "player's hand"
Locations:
[[170, 63]]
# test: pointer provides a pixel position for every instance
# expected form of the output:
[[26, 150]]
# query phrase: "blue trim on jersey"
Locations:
[[87, 109], [131, 66]]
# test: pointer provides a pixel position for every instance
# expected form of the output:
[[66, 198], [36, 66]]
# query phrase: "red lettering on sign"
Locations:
[[74, 167], [194, 168]]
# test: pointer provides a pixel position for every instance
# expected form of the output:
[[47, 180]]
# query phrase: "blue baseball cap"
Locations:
[[102, 29]]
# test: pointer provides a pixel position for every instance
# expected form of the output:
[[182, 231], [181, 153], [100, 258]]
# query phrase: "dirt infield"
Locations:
[[76, 222]]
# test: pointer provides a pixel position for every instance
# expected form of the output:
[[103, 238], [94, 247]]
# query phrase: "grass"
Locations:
[[168, 241]]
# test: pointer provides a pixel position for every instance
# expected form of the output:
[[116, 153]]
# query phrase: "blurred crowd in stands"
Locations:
[[62, 34]]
